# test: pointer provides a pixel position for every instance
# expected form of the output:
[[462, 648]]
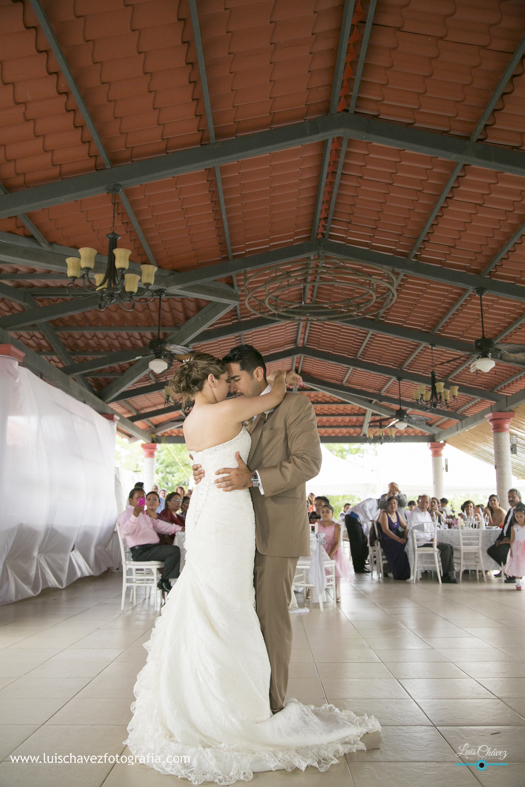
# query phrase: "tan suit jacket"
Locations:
[[286, 452]]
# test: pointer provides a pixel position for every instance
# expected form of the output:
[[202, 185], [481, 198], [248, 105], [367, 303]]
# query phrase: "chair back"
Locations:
[[122, 545], [470, 536]]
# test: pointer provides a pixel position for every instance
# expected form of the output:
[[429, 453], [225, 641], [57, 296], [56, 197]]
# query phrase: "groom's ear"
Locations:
[[258, 373]]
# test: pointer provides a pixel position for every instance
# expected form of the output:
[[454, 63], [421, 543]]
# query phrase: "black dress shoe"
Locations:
[[510, 580], [362, 571], [163, 584], [498, 574], [449, 580]]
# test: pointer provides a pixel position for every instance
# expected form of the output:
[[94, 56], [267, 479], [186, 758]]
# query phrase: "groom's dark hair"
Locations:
[[247, 357]]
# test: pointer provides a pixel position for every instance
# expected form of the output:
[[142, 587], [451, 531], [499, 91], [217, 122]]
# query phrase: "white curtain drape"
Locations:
[[57, 486]]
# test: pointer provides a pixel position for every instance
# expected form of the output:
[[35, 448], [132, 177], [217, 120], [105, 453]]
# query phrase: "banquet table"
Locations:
[[446, 536], [488, 537]]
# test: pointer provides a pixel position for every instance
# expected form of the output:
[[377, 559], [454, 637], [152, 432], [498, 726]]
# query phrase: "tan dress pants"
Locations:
[[273, 578]]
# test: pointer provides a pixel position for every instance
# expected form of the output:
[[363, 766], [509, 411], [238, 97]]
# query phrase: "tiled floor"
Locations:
[[440, 667]]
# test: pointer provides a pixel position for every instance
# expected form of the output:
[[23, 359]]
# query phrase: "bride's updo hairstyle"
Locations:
[[191, 375]]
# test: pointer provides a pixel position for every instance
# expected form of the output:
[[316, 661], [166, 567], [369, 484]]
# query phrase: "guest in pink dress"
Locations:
[[332, 545]]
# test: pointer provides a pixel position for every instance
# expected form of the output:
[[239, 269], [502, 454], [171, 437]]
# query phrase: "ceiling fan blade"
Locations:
[[518, 358], [178, 349], [416, 419], [510, 348]]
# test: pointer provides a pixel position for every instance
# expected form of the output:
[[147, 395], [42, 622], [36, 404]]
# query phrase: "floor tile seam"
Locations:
[[68, 617], [504, 700], [313, 657], [20, 742]]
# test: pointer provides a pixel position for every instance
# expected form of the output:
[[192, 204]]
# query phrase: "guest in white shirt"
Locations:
[[343, 513], [420, 518]]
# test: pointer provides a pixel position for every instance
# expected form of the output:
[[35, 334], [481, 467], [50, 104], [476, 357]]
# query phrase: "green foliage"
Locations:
[[347, 450], [338, 501], [172, 465], [128, 455]]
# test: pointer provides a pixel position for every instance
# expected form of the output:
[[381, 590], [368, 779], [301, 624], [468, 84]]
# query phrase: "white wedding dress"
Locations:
[[202, 708]]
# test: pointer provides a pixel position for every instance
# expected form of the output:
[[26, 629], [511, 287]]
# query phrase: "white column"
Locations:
[[150, 449], [437, 468], [500, 423]]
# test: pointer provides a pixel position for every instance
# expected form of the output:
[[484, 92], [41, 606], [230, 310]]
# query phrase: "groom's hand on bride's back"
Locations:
[[234, 478], [198, 473]]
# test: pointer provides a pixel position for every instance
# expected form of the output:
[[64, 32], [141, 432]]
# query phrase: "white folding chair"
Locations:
[[376, 556], [139, 573], [302, 577], [470, 552], [427, 557]]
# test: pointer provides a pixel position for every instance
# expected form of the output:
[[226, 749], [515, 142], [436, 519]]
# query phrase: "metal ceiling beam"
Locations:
[[25, 298], [183, 335], [509, 403], [341, 392], [17, 250], [366, 422], [375, 368], [250, 145], [342, 49], [362, 54], [40, 314], [56, 377], [176, 440], [507, 74], [344, 251], [88, 120]]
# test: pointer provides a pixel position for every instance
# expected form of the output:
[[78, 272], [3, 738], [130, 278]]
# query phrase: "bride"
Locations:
[[202, 708]]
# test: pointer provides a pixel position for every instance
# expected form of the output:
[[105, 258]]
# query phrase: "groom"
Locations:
[[285, 454]]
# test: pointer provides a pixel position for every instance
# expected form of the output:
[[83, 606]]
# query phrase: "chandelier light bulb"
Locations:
[[454, 390], [158, 365], [73, 267], [87, 257], [122, 258]]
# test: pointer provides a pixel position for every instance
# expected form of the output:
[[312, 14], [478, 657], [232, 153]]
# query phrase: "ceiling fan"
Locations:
[[488, 351], [403, 418], [164, 352]]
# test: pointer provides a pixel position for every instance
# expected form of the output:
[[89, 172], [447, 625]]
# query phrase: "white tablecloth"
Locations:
[[179, 540], [488, 537]]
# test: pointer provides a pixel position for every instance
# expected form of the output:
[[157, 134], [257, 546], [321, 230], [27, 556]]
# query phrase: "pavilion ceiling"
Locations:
[[251, 134]]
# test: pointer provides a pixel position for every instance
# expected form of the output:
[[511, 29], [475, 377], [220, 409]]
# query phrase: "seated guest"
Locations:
[[468, 514], [356, 522], [411, 505], [393, 536], [332, 545], [500, 548], [189, 493], [140, 529], [515, 565], [171, 512], [180, 491], [495, 512], [185, 502], [420, 518], [444, 507], [435, 512], [162, 503], [319, 502], [343, 513], [393, 491]]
